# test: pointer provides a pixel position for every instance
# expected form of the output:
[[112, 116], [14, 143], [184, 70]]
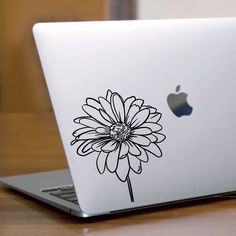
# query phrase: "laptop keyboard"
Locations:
[[65, 192]]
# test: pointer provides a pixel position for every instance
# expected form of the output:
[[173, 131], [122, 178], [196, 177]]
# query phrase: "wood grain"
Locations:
[[30, 142]]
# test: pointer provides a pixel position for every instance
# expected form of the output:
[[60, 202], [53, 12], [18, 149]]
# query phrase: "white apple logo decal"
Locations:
[[178, 103]]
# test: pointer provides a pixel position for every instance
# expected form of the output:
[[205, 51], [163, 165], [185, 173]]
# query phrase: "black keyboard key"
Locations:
[[71, 199], [66, 188], [49, 190], [65, 196], [64, 192]]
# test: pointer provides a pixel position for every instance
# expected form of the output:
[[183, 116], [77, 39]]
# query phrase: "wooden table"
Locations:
[[30, 142]]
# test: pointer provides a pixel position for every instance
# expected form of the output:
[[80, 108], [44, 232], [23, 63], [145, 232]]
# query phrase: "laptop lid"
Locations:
[[145, 109]]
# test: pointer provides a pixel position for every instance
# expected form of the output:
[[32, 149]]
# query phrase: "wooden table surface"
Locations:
[[30, 142]]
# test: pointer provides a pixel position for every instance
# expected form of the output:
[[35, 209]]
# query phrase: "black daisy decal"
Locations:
[[123, 133]]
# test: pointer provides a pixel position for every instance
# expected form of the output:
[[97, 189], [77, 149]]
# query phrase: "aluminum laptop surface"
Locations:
[[145, 109]]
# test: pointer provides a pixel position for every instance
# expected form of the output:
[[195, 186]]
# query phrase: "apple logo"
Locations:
[[178, 103]]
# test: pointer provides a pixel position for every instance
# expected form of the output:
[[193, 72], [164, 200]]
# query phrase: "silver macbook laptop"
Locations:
[[146, 112]]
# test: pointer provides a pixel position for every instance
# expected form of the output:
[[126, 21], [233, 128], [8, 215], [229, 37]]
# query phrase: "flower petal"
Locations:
[[102, 130], [84, 148], [92, 135], [93, 102], [80, 131], [93, 112], [160, 137], [154, 149], [128, 103], [78, 124], [151, 109], [142, 131], [74, 141], [134, 109], [122, 170], [152, 138], [90, 122], [108, 96], [154, 118], [112, 160], [135, 164], [101, 161], [124, 149], [133, 149], [107, 108], [141, 140], [106, 117], [140, 118], [117, 105], [77, 119], [138, 102], [143, 157], [153, 126], [110, 146], [97, 145]]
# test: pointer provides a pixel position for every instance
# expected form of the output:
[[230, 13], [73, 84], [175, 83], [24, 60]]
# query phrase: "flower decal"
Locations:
[[123, 133]]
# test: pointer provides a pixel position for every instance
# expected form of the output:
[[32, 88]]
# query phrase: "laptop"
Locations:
[[146, 111]]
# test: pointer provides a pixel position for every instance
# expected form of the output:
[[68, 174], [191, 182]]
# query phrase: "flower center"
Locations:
[[119, 132]]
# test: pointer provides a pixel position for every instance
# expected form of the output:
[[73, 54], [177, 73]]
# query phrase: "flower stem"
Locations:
[[130, 189]]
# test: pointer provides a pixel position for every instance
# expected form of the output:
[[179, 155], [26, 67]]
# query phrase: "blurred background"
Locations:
[[22, 86], [29, 139]]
